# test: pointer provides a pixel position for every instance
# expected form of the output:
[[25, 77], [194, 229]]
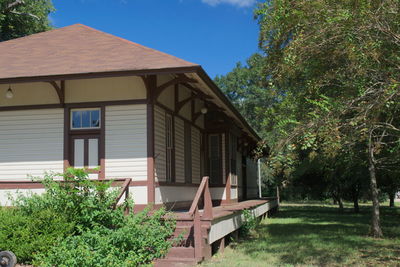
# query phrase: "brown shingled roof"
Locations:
[[78, 49]]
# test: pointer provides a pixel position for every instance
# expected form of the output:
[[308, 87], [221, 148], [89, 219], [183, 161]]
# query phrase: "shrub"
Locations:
[[93, 233], [141, 239], [29, 235], [85, 202], [250, 223]]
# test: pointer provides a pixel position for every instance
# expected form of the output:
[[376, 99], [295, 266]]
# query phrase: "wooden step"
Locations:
[[181, 252], [176, 262], [187, 231]]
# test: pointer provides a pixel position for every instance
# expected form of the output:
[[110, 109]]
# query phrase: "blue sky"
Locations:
[[213, 33]]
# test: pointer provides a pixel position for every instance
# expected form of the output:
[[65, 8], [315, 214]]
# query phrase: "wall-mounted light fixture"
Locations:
[[9, 93], [204, 110]]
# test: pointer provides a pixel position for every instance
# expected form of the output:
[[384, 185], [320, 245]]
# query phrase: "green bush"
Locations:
[[250, 223], [93, 232], [85, 202], [141, 239], [30, 235]]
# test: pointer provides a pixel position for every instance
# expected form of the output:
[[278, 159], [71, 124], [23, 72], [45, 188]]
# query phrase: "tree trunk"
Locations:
[[356, 206], [355, 199], [391, 197], [376, 230], [340, 201]]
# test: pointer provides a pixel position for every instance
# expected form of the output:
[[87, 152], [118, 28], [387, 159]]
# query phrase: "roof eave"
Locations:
[[105, 74]]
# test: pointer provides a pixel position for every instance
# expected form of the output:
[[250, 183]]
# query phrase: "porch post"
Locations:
[[227, 167], [259, 178], [151, 86]]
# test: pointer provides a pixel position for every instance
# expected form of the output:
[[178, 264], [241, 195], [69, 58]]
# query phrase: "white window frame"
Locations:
[[84, 128]]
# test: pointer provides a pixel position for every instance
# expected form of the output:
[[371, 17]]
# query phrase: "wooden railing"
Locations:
[[207, 214], [123, 191]]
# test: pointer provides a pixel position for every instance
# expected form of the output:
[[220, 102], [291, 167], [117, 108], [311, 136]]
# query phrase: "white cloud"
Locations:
[[239, 3]]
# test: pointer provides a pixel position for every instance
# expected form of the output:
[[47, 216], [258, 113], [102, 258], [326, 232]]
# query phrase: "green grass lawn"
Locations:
[[316, 235]]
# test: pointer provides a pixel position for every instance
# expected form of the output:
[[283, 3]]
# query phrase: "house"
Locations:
[[79, 97]]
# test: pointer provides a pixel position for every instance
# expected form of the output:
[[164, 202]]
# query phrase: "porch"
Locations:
[[205, 227]]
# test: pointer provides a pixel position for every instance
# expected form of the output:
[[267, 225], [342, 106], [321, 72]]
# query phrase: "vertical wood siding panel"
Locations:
[[159, 144], [195, 155], [126, 142], [31, 142], [179, 150]]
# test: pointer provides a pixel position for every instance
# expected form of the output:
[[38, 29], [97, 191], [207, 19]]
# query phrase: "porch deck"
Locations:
[[228, 218], [259, 206], [203, 234], [226, 210]]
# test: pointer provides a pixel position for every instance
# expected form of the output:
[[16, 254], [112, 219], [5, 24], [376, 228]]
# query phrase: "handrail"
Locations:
[[205, 191], [124, 190]]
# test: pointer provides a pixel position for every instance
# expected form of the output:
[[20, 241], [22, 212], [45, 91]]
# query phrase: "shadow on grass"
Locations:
[[320, 235]]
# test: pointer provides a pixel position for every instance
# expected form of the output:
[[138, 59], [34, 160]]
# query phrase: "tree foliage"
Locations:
[[325, 95], [19, 18], [339, 60]]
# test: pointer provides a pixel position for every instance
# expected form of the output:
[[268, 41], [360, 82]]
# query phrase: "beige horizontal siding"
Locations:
[[31, 142], [126, 142]]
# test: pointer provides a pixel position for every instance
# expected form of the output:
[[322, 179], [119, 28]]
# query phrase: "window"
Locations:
[[169, 146], [85, 119]]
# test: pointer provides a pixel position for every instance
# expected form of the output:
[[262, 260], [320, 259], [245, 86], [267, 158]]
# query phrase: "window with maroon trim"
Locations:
[[85, 151], [83, 119], [84, 136]]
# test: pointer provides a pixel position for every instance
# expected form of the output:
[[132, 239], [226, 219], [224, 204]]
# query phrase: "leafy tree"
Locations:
[[246, 87], [24, 17], [339, 61], [389, 182]]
